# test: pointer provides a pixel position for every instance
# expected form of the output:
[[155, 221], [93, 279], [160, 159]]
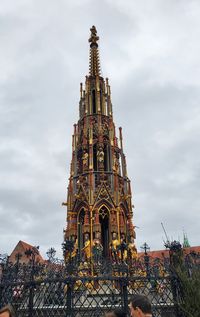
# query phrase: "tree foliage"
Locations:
[[190, 291]]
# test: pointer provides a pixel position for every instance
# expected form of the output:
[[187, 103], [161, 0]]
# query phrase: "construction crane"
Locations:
[[167, 243]]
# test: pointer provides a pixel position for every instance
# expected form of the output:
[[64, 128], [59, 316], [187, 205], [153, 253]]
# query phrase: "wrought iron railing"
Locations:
[[85, 296], [79, 289]]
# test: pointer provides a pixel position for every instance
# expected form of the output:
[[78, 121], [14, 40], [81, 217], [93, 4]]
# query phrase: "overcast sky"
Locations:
[[150, 51]]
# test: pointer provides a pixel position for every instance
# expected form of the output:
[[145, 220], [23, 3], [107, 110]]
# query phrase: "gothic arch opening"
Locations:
[[106, 161], [95, 157], [123, 223], [104, 221], [81, 216], [101, 102], [93, 101]]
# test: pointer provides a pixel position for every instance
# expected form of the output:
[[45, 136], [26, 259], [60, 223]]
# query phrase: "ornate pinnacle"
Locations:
[[94, 66], [93, 37]]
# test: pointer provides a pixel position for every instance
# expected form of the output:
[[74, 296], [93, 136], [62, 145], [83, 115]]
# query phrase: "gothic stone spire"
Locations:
[[94, 66], [99, 199]]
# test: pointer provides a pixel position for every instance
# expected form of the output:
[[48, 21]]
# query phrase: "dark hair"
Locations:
[[9, 309], [117, 313], [141, 302]]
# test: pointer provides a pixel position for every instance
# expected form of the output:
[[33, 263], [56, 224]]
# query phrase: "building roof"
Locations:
[[20, 249], [165, 253]]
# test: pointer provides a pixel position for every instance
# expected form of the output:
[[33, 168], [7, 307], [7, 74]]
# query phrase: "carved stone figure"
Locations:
[[85, 159], [115, 164], [100, 155], [97, 249]]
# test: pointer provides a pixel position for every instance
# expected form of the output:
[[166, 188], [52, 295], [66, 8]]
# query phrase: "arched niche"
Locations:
[[95, 157], [80, 222], [94, 101], [104, 216], [123, 222]]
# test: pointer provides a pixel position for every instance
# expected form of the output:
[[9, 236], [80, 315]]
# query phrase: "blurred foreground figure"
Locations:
[[7, 311], [140, 306], [116, 313]]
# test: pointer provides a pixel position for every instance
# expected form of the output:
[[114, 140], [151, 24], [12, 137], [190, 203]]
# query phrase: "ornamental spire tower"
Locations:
[[99, 200], [94, 53]]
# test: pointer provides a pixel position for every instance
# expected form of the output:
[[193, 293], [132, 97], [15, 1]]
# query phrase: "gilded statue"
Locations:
[[132, 249], [86, 252], [123, 248], [75, 249], [115, 247]]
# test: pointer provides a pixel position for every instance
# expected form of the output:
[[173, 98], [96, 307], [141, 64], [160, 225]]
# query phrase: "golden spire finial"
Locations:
[[93, 37], [94, 66]]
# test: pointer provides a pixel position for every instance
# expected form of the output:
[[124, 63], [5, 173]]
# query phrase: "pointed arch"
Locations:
[[124, 207], [104, 202], [81, 210], [104, 196], [124, 220], [104, 219], [81, 198], [81, 205]]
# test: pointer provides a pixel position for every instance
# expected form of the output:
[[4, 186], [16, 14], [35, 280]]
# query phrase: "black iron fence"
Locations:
[[86, 296], [91, 289]]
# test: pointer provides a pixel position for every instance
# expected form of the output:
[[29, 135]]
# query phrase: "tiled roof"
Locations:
[[26, 245], [21, 247], [191, 249], [165, 253], [156, 254]]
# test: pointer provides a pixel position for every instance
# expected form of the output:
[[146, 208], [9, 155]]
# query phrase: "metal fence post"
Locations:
[[1, 294], [30, 302], [124, 282], [176, 259], [69, 300], [175, 289]]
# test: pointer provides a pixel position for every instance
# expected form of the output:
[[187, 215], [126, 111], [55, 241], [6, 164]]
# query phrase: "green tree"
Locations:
[[190, 290]]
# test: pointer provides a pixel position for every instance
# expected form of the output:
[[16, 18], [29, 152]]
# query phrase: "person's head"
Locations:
[[6, 311], [140, 306], [116, 313]]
